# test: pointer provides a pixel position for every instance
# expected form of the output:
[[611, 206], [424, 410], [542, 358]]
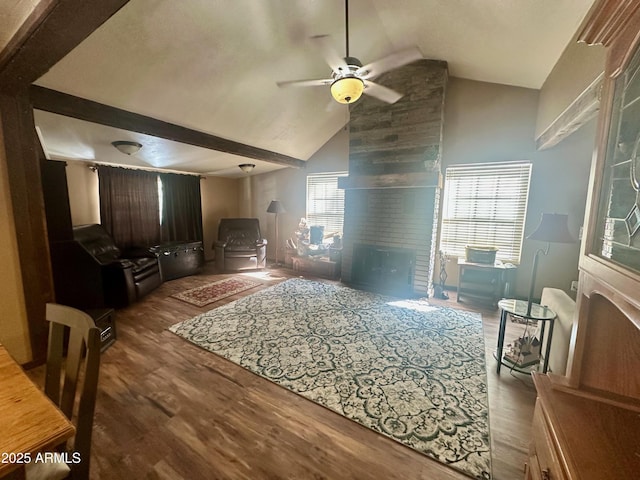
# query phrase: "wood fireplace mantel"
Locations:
[[391, 180]]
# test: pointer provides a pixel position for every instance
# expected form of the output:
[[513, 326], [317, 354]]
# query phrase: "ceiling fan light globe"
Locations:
[[347, 89]]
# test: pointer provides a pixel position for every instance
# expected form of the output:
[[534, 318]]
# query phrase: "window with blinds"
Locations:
[[485, 204], [325, 201]]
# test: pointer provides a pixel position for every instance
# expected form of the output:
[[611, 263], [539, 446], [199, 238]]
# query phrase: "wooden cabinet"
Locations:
[[543, 459], [317, 266], [577, 435], [587, 424], [484, 282]]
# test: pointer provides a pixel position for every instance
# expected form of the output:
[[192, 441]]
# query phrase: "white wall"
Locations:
[[577, 68], [289, 185], [219, 200], [84, 200], [14, 330], [13, 14], [487, 122]]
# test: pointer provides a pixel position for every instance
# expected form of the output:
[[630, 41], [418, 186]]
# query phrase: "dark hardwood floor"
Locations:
[[167, 409]]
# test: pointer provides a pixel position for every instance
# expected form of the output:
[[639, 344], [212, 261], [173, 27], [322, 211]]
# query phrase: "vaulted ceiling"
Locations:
[[212, 66]]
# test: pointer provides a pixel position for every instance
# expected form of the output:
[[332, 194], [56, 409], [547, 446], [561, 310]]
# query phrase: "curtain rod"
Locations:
[[94, 167]]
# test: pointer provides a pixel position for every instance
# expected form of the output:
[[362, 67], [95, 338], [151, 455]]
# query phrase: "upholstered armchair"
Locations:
[[92, 272], [240, 245]]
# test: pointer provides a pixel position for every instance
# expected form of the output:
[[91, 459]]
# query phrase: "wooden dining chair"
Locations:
[[81, 368]]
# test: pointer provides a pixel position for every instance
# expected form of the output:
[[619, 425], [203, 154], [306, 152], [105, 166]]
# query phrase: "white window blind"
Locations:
[[325, 201], [485, 204]]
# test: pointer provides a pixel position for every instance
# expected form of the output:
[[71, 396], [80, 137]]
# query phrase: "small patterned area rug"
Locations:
[[212, 292], [410, 371]]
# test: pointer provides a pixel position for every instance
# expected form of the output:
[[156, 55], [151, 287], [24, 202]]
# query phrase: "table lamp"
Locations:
[[551, 229], [276, 207]]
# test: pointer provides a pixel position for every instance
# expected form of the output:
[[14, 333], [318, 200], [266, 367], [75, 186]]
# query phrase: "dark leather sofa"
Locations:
[[240, 245], [92, 271]]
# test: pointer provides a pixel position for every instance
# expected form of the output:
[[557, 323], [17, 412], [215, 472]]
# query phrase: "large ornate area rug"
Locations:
[[402, 368], [212, 292]]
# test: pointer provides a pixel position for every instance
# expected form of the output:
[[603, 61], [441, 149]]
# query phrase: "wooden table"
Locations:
[[485, 282], [29, 420], [317, 266]]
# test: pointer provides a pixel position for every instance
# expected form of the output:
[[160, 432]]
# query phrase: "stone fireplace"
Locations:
[[392, 191]]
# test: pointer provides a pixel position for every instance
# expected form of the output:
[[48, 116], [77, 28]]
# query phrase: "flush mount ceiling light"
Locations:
[[246, 167], [127, 147], [347, 89]]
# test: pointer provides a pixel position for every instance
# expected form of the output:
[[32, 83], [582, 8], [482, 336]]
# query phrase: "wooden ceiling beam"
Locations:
[[54, 29], [71, 106]]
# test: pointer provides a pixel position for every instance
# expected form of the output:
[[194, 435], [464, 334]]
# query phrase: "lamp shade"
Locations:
[[127, 147], [347, 89], [553, 228], [276, 207]]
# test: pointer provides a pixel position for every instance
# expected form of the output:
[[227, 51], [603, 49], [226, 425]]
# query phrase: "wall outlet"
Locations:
[[574, 286]]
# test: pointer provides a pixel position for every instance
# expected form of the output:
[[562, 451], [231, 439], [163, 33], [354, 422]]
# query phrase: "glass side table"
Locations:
[[518, 308]]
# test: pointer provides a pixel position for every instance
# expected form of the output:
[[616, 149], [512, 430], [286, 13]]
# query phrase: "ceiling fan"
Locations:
[[349, 78]]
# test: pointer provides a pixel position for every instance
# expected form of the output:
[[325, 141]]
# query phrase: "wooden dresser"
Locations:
[[582, 437], [586, 424]]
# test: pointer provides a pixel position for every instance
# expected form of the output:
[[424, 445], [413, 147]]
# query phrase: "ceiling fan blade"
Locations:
[[324, 45], [381, 93], [305, 83], [395, 60]]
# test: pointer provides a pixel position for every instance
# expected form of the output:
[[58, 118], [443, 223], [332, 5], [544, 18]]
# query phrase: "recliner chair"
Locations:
[[92, 272], [240, 245]]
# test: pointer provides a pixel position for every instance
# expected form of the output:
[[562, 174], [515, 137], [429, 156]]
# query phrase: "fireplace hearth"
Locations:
[[396, 222], [383, 269]]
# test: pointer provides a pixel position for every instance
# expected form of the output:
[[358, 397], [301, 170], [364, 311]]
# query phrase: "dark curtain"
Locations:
[[181, 207], [130, 206]]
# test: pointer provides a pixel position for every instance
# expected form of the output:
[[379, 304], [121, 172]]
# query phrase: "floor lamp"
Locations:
[[276, 207], [552, 228]]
